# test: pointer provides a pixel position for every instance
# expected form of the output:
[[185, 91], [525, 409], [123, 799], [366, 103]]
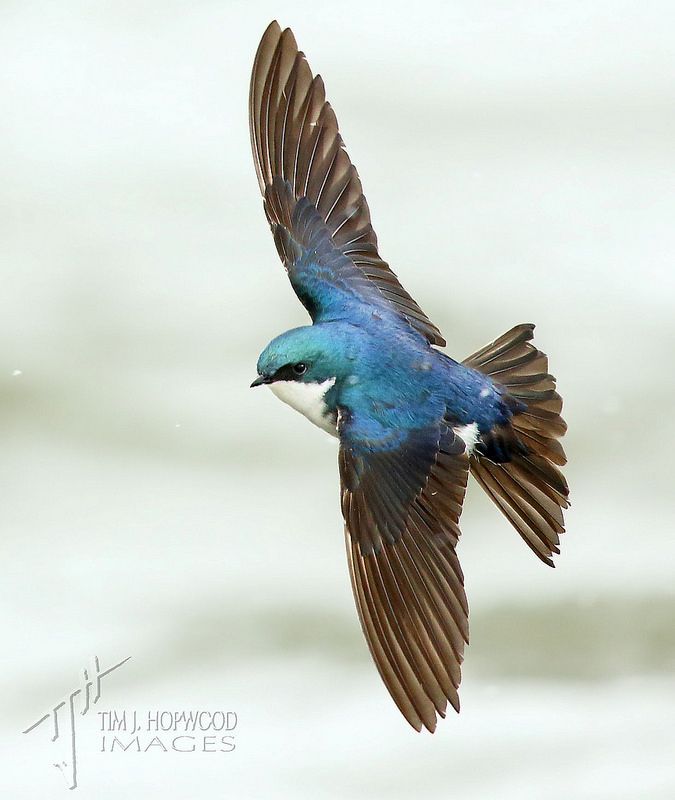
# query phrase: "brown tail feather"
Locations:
[[529, 489]]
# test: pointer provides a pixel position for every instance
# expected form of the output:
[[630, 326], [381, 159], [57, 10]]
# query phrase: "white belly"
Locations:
[[309, 400], [469, 434]]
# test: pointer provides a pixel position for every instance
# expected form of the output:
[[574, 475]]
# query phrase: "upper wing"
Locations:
[[313, 197], [402, 495]]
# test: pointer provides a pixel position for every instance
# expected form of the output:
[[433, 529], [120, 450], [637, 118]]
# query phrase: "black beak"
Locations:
[[259, 381]]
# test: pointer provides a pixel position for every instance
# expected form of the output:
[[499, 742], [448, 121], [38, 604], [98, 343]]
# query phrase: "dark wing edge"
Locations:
[[401, 511], [298, 150]]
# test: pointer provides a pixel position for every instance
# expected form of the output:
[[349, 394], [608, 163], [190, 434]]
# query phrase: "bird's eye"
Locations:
[[300, 368]]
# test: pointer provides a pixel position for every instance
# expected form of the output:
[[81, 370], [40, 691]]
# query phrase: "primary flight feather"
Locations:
[[411, 422]]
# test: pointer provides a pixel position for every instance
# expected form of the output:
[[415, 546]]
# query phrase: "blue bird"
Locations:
[[412, 423]]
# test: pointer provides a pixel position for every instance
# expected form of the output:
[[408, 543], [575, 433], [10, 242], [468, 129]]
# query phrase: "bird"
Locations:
[[412, 423]]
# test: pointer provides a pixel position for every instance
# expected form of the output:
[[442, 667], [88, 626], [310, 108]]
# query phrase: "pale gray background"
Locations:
[[519, 162]]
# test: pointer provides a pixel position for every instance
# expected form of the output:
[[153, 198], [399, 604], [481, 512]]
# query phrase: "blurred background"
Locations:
[[154, 507]]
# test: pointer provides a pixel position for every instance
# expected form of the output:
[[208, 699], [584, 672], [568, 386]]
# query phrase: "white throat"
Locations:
[[308, 399]]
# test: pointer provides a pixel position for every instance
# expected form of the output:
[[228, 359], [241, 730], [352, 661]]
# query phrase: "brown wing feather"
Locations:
[[407, 581], [295, 137]]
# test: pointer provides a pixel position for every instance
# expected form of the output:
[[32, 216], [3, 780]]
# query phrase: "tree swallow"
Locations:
[[412, 423]]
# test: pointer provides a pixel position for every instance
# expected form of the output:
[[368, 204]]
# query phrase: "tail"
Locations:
[[527, 486]]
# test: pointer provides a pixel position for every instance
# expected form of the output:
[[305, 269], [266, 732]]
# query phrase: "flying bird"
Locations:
[[411, 422]]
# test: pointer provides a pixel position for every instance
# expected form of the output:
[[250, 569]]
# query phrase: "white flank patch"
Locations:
[[469, 435], [308, 399]]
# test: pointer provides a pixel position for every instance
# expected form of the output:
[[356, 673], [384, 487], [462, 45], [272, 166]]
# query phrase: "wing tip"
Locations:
[[273, 26]]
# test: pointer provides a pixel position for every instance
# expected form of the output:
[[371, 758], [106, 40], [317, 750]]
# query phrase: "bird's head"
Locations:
[[304, 355]]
